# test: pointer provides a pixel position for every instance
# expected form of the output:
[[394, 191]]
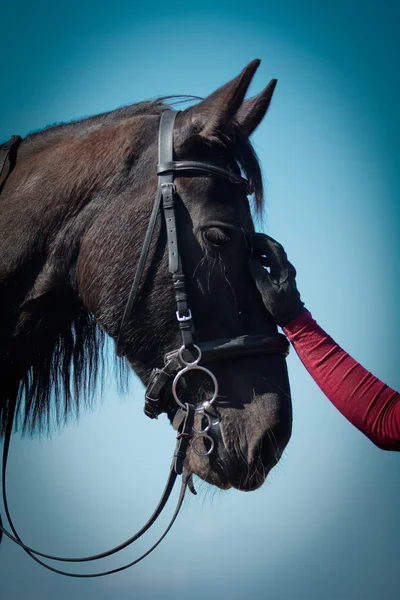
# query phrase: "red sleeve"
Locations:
[[369, 404]]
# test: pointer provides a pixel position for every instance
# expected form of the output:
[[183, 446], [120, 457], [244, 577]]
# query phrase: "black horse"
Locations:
[[73, 214]]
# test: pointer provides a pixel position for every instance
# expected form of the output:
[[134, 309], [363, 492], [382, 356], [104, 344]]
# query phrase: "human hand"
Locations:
[[278, 285]]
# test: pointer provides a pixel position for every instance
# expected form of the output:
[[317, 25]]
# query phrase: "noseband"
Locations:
[[177, 363]]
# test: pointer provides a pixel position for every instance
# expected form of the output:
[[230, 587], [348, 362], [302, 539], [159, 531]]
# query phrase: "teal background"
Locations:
[[326, 524]]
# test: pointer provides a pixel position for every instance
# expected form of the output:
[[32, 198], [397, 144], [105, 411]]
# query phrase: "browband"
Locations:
[[196, 167]]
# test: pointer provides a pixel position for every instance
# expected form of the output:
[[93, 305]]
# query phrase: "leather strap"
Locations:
[[200, 168], [166, 182], [167, 190], [244, 345], [167, 169], [212, 351], [165, 145], [140, 268], [155, 386], [183, 438]]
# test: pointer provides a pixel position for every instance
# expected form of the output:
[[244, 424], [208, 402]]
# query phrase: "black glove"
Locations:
[[277, 287]]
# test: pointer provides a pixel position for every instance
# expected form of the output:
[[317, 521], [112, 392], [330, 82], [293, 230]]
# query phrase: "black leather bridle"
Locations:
[[177, 362], [211, 351]]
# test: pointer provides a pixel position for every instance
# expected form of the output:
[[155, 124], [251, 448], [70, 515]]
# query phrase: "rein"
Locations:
[[177, 363], [175, 470]]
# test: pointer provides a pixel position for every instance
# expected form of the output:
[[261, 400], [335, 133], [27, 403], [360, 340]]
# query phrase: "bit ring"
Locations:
[[207, 427], [198, 437], [193, 367]]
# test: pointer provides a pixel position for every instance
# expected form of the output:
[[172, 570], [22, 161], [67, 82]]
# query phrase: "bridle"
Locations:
[[177, 363]]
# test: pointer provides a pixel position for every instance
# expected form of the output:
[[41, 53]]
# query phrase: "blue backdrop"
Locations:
[[326, 523]]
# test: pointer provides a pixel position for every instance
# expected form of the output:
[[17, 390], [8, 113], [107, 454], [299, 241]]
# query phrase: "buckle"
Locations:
[[183, 318], [171, 187], [155, 386]]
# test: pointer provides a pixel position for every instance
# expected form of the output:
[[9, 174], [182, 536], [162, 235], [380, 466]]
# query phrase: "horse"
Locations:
[[75, 202]]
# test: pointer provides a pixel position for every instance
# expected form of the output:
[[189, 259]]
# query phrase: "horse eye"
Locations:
[[217, 236]]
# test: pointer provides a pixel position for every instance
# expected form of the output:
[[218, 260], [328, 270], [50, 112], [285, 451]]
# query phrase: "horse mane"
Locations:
[[37, 140], [70, 367], [72, 359], [231, 136]]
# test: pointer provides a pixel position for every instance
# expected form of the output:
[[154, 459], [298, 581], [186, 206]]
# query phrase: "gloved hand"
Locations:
[[277, 287]]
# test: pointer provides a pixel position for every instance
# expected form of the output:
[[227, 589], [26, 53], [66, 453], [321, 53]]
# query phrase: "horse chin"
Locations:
[[219, 475], [247, 444], [227, 471]]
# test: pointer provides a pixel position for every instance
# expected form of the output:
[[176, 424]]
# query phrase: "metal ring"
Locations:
[[194, 440], [184, 362], [207, 427], [193, 367], [206, 405]]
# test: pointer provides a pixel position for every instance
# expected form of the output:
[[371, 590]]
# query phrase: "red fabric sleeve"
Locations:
[[369, 404]]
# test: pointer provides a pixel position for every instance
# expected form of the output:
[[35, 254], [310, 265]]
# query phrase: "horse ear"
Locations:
[[205, 118], [251, 112]]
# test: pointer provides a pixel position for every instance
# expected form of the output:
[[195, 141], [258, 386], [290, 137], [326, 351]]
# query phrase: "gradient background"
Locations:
[[326, 524]]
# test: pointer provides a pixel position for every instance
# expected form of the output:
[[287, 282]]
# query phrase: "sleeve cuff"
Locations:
[[303, 320]]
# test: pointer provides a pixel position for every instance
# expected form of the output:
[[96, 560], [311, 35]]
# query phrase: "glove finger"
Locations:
[[260, 248], [261, 277], [275, 253]]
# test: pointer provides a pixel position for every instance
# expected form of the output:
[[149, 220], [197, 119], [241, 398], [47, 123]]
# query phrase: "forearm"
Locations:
[[369, 404]]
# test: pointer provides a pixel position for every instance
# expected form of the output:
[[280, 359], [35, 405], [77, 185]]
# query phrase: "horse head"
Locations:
[[86, 192]]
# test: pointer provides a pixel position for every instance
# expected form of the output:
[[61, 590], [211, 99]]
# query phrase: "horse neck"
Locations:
[[52, 196], [50, 200]]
